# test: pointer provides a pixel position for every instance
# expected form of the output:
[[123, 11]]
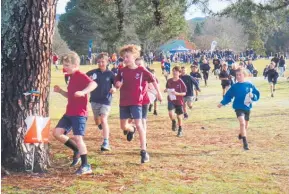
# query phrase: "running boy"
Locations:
[[195, 74], [190, 82], [225, 78], [243, 93], [272, 76], [100, 98], [76, 111], [176, 91], [129, 79]]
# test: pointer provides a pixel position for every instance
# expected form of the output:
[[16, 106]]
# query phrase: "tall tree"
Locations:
[[26, 32]]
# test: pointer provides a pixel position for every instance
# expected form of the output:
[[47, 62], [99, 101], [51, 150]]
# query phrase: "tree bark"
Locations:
[[27, 30]]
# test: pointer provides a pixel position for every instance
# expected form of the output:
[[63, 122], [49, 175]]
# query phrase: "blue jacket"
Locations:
[[238, 91], [104, 82]]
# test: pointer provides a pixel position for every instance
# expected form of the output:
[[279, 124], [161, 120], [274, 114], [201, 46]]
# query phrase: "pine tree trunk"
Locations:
[[27, 30]]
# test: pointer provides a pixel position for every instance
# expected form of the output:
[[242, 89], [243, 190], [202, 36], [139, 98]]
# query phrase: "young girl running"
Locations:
[[129, 79], [225, 78], [243, 93], [272, 76], [176, 90], [195, 74]]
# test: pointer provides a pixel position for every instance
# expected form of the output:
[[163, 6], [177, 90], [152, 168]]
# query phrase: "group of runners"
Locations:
[[139, 92]]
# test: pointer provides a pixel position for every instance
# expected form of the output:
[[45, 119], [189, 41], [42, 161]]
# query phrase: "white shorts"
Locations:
[[99, 109]]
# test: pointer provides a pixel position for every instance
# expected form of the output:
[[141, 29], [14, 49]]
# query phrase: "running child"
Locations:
[[205, 68], [167, 67], [190, 82], [272, 76], [101, 97], [176, 91], [129, 79], [225, 78], [152, 92], [196, 74], [243, 93], [76, 111], [217, 66]]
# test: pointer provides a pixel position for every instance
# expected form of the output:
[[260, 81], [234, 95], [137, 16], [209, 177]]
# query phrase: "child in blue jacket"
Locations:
[[244, 93]]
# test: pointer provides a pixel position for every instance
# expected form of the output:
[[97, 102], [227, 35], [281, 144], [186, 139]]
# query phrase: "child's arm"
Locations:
[[179, 93], [60, 91], [159, 94], [196, 84], [117, 80], [255, 95], [89, 88], [227, 98]]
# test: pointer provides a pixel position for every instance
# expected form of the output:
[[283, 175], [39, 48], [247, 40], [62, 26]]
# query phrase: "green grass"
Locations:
[[209, 160]]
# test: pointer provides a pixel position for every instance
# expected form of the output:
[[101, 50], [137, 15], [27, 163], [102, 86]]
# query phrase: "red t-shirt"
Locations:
[[77, 106], [55, 58], [180, 87], [132, 91]]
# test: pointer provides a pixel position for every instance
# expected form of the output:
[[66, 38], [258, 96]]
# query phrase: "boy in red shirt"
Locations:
[[130, 81], [176, 89], [76, 111]]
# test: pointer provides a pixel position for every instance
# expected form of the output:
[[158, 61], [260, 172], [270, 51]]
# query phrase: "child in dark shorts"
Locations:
[[244, 93], [176, 89]]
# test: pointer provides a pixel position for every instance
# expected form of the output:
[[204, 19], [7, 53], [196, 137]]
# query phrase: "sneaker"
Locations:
[[86, 169], [273, 90], [272, 95], [125, 132], [105, 147], [196, 99], [190, 107], [180, 133], [174, 125], [100, 127], [186, 116], [75, 160], [150, 107], [239, 136], [155, 112], [144, 156], [130, 134], [246, 147]]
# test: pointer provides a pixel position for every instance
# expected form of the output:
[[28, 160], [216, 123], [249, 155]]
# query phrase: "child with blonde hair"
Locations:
[[76, 113], [130, 81], [244, 93]]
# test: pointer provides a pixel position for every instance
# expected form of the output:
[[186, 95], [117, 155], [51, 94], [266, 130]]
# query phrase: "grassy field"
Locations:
[[208, 159]]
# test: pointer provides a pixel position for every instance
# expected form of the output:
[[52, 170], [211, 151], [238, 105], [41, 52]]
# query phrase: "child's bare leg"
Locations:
[[142, 133]]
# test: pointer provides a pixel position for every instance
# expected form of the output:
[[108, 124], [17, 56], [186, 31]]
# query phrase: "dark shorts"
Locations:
[[145, 111], [272, 81], [245, 113], [130, 112], [76, 123], [225, 85], [178, 108]]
